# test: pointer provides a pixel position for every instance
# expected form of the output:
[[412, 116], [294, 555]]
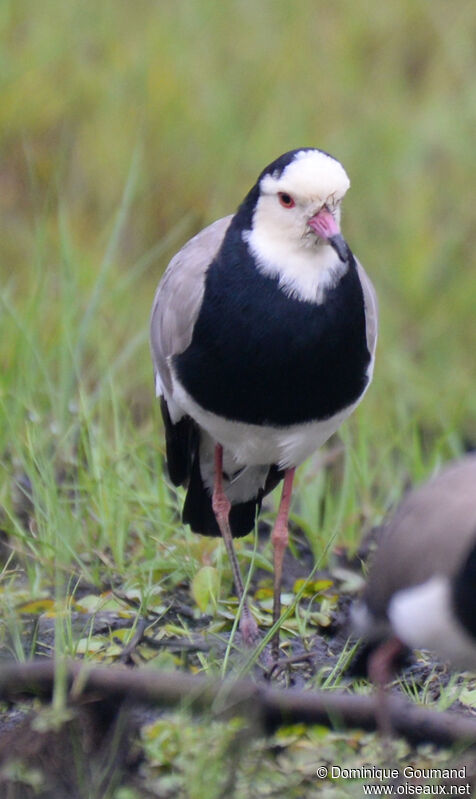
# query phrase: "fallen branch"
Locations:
[[270, 707]]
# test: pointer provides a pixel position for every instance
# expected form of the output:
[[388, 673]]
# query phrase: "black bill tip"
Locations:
[[340, 245]]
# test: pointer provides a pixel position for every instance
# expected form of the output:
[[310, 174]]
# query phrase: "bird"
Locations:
[[421, 587], [263, 333]]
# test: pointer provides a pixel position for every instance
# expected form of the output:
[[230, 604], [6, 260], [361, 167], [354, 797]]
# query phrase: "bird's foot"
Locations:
[[284, 665], [381, 668], [249, 629]]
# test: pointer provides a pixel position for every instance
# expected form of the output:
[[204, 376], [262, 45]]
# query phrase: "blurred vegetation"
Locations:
[[125, 127], [203, 94], [175, 108]]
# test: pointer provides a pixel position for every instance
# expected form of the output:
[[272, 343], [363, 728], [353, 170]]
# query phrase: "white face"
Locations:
[[312, 181], [281, 239]]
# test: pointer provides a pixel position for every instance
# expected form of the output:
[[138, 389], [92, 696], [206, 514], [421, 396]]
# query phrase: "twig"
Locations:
[[282, 663], [271, 707], [196, 645], [127, 652]]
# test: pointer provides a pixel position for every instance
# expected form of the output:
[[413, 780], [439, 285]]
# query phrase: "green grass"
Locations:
[[124, 128]]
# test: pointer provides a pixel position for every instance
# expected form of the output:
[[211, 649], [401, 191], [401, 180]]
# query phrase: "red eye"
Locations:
[[286, 200]]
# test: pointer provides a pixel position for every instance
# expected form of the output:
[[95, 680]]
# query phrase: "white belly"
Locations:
[[258, 445]]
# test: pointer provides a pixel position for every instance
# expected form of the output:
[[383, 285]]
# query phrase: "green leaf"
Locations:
[[38, 606], [313, 587], [468, 697], [205, 586]]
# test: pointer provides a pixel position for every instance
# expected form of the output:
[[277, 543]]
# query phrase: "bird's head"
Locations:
[[297, 204]]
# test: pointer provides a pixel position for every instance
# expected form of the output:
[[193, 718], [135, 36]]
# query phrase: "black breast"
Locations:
[[261, 357], [464, 594]]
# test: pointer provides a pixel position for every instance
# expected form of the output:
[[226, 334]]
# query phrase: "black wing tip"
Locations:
[[181, 440]]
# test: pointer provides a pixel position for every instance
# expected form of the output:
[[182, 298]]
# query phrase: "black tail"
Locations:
[[198, 511]]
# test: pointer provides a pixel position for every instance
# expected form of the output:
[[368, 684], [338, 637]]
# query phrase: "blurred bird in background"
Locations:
[[421, 588]]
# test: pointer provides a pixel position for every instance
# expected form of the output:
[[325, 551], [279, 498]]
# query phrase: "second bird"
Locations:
[[263, 335]]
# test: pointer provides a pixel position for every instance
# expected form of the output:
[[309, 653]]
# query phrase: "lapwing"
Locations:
[[263, 336], [421, 587]]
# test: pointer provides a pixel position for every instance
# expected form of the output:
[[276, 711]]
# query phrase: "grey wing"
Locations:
[[371, 308], [178, 300]]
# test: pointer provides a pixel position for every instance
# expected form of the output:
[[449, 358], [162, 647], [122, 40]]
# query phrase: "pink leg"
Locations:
[[381, 669], [279, 539], [221, 507]]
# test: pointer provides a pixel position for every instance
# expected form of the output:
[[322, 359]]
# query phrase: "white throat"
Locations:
[[305, 269]]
